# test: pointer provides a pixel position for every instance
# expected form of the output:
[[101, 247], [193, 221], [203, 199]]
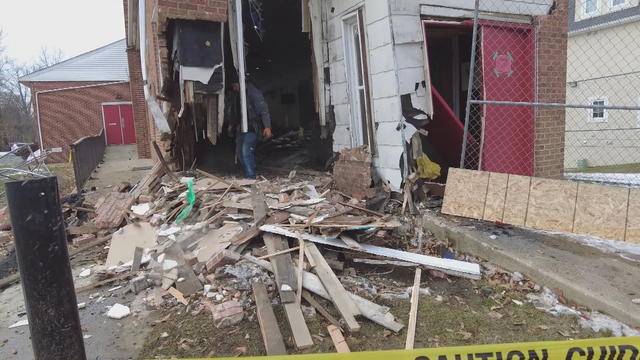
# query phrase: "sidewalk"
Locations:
[[606, 281], [120, 164]]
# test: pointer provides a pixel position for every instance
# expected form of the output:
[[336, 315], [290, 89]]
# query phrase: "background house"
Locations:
[[603, 69], [81, 97], [350, 71]]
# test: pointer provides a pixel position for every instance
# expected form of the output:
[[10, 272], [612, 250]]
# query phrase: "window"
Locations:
[[357, 76], [617, 3], [598, 114], [591, 6]]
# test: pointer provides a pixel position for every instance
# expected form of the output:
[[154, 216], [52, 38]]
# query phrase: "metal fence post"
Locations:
[[43, 260], [474, 45]]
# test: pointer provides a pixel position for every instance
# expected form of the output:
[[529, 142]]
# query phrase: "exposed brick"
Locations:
[[83, 239], [224, 257], [226, 314]]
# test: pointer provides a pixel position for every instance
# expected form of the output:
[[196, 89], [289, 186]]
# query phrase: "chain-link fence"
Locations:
[[553, 88]]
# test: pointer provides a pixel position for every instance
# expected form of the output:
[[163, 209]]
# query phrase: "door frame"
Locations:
[[104, 122]]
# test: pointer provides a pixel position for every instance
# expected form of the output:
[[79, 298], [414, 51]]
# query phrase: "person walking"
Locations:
[[258, 121]]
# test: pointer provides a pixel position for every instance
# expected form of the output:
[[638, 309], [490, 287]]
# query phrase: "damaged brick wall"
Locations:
[[68, 115], [551, 45], [352, 172]]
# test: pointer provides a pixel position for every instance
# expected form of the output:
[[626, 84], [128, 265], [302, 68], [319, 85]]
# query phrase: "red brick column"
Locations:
[[551, 47], [137, 97]]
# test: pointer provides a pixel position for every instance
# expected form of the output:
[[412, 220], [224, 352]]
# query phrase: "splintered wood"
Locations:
[[604, 211]]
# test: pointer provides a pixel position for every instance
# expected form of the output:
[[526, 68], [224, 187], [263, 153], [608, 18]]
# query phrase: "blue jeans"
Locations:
[[245, 150]]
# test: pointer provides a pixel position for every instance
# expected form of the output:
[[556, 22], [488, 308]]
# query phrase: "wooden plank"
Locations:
[[465, 193], [448, 266], [283, 267], [361, 209], [552, 204], [517, 200], [633, 217], [300, 269], [279, 253], [178, 295], [413, 313], [496, 194], [309, 298], [254, 231], [137, 259], [601, 211], [339, 295], [219, 179], [163, 162], [338, 339], [351, 242], [271, 335], [299, 329], [372, 311]]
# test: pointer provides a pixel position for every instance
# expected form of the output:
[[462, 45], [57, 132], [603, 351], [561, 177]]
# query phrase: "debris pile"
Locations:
[[235, 247]]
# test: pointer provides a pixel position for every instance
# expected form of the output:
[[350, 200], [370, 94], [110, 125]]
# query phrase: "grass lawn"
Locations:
[[623, 168]]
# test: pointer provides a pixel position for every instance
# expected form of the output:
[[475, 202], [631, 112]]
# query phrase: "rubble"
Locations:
[[226, 314], [118, 311]]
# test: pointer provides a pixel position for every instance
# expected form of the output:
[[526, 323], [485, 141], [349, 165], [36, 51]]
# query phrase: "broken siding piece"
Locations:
[[552, 204], [339, 295], [370, 310], [496, 193], [448, 266], [271, 335], [517, 200], [601, 211], [465, 193]]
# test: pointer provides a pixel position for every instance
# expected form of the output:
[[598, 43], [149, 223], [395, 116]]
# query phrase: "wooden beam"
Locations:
[[283, 267], [338, 339], [361, 209], [271, 335], [282, 252], [413, 313], [339, 295], [321, 309], [163, 162], [300, 269], [299, 329]]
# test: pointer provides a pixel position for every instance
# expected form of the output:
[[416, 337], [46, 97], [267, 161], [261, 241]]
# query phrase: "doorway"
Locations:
[[119, 127]]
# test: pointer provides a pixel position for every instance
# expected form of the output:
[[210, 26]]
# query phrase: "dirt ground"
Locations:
[[456, 312]]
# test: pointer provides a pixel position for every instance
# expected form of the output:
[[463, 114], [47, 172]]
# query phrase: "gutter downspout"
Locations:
[[61, 89]]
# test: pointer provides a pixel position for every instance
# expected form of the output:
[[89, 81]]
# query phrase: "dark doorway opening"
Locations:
[[278, 62]]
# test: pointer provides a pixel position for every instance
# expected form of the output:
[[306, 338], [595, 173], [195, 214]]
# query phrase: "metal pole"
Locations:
[[43, 260], [241, 66], [472, 68], [571, 106]]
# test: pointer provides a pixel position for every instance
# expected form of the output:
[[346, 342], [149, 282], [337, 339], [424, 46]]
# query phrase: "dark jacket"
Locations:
[[257, 110]]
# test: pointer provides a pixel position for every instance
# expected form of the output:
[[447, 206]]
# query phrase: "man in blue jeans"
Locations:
[[259, 124]]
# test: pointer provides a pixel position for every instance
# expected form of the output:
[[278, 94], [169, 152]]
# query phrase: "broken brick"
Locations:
[[83, 239], [226, 314], [5, 221], [224, 257]]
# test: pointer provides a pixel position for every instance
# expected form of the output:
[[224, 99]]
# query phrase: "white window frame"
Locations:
[[605, 114], [349, 23], [590, 14], [613, 7]]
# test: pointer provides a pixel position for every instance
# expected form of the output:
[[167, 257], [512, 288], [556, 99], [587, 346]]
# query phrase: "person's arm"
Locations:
[[260, 105]]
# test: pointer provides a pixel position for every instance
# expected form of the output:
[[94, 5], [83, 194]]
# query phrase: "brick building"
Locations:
[[350, 72], [80, 97]]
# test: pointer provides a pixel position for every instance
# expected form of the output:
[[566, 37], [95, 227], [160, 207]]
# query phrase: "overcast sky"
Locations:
[[73, 26]]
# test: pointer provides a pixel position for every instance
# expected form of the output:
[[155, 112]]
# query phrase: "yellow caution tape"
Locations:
[[591, 349]]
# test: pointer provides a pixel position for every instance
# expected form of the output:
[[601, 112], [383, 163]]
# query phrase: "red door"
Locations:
[[119, 125], [112, 125], [508, 72], [128, 127]]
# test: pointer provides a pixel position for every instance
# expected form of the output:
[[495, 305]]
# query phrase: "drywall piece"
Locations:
[[517, 200], [448, 266], [496, 194], [633, 217], [465, 193], [601, 211], [552, 204], [125, 241], [215, 241]]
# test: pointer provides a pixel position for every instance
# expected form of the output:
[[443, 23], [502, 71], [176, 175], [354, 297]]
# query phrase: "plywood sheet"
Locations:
[[601, 211], [496, 193], [551, 204], [633, 217], [517, 200], [465, 193], [125, 241]]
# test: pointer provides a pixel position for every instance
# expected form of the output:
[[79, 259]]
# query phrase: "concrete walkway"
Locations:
[[120, 164], [600, 280]]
